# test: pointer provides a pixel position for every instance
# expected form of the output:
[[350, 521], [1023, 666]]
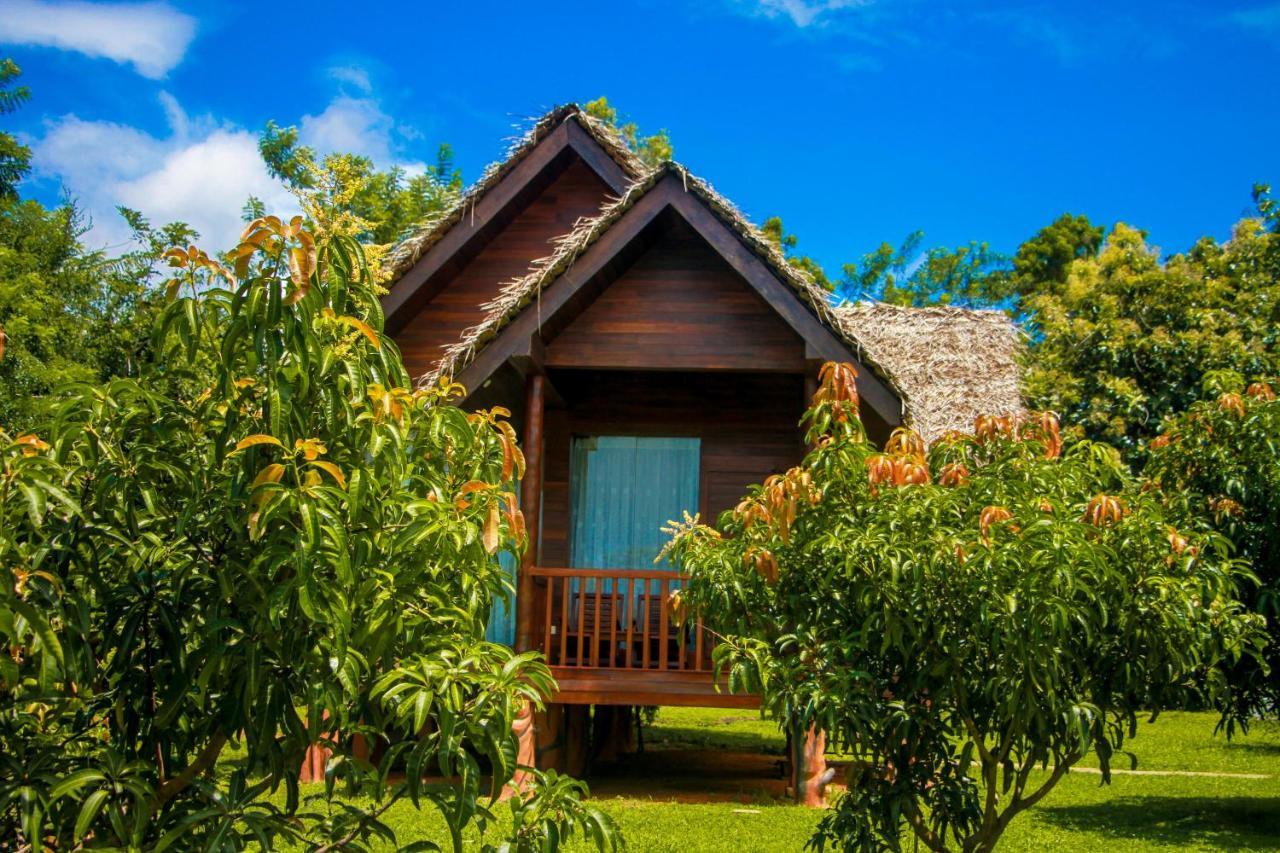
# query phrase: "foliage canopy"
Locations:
[[66, 314], [961, 615], [265, 540], [1219, 466]]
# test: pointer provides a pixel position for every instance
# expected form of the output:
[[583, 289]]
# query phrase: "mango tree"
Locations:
[[268, 541], [1219, 465], [970, 620]]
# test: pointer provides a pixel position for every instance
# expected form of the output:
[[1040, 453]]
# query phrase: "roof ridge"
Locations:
[[411, 248], [878, 332]]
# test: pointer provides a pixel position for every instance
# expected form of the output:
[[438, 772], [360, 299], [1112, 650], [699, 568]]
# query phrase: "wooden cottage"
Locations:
[[657, 352]]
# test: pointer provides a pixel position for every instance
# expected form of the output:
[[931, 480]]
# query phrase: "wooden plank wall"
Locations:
[[747, 424], [576, 193], [680, 306]]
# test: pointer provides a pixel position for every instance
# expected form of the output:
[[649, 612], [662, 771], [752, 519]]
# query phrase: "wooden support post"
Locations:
[[577, 738], [526, 750], [549, 733], [810, 389], [531, 506], [316, 758], [809, 773]]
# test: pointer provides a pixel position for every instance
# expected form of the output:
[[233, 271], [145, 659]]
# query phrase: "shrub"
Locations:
[[961, 615], [1219, 466], [267, 540]]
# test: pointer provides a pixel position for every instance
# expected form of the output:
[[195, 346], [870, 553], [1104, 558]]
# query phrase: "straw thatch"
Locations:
[[947, 365], [408, 251], [950, 364]]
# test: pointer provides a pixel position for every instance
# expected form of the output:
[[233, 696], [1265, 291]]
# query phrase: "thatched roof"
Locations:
[[950, 364], [947, 365], [408, 251]]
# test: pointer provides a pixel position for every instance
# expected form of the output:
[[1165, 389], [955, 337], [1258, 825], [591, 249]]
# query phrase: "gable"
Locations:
[[678, 306], [927, 365], [535, 308], [565, 140], [457, 302]]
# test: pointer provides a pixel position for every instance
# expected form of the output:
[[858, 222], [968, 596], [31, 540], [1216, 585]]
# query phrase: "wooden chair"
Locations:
[[653, 619], [593, 628]]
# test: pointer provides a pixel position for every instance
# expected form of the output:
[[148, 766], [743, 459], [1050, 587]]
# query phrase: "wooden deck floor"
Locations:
[[590, 686]]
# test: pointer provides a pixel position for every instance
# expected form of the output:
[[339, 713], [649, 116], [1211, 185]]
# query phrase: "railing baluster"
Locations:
[[582, 615], [547, 636], [613, 623], [644, 625], [595, 627], [631, 607], [664, 626], [581, 604], [564, 620]]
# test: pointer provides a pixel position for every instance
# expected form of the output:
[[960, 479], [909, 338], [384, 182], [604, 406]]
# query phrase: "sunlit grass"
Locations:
[[1135, 812]]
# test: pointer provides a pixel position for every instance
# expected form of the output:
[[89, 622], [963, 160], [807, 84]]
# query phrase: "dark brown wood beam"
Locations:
[[596, 157], [475, 220], [531, 506], [517, 334], [821, 342]]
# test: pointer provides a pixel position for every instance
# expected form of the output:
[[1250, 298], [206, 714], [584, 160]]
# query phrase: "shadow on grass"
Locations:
[[723, 733], [1265, 749], [1224, 823]]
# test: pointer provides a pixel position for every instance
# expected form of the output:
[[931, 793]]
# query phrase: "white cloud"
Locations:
[[201, 173], [804, 13], [153, 37], [350, 125], [1264, 20], [352, 75], [202, 170]]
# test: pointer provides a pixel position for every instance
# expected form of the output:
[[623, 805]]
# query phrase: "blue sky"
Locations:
[[858, 121]]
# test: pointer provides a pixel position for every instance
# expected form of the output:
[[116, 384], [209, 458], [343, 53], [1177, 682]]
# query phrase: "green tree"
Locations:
[[1125, 339], [66, 314], [1043, 262], [1218, 463], [786, 242], [388, 203], [654, 150], [878, 271], [967, 276], [968, 621], [265, 540], [15, 158]]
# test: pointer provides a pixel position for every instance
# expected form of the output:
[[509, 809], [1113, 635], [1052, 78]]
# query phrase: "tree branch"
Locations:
[[1059, 770], [923, 832], [351, 836], [170, 788]]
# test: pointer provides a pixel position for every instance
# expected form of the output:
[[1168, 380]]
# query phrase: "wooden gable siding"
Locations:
[[679, 306], [748, 425], [458, 306]]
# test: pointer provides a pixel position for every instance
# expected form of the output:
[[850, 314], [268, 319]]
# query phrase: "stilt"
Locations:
[[316, 758], [549, 735], [576, 737], [317, 755], [809, 773], [313, 763], [526, 750], [611, 732]]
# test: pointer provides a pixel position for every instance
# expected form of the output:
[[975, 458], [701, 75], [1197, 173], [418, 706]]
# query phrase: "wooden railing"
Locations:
[[617, 619]]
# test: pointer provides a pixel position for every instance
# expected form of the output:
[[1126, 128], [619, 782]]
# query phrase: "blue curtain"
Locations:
[[502, 615], [624, 489]]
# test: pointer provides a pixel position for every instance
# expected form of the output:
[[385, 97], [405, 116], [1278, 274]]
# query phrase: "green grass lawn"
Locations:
[[1135, 812]]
